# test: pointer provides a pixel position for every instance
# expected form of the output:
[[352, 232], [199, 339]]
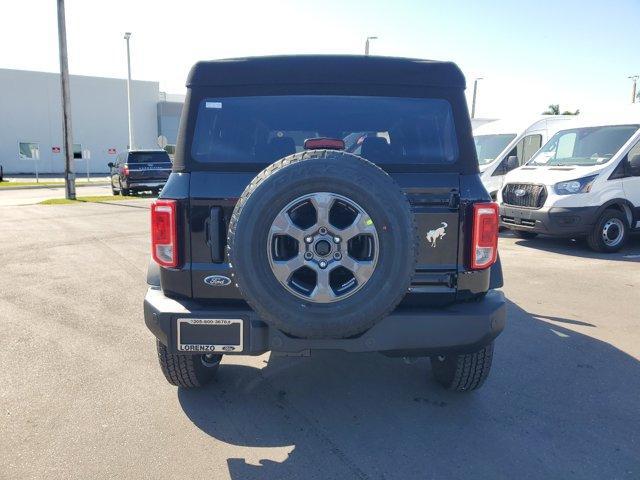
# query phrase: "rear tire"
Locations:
[[609, 233], [524, 234], [465, 372], [187, 371], [124, 191]]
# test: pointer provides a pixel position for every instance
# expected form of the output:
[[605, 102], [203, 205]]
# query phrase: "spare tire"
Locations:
[[322, 244]]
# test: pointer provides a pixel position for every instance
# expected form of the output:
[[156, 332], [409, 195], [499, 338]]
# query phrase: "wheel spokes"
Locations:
[[322, 203], [361, 269], [283, 269], [317, 260], [362, 225], [283, 225], [322, 291]]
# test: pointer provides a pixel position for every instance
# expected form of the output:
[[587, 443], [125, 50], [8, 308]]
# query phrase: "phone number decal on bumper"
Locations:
[[224, 335]]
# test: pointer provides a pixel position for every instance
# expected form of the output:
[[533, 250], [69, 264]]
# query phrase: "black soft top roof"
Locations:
[[326, 69]]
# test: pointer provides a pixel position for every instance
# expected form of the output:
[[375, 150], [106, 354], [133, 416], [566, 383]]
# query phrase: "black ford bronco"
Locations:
[[325, 203]]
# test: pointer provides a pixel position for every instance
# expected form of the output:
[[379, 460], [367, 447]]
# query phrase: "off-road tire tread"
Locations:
[[180, 370], [302, 157], [469, 372]]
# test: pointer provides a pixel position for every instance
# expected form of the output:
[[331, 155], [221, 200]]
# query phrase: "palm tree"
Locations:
[[554, 109]]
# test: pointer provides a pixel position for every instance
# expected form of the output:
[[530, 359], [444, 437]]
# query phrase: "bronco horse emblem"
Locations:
[[436, 233]]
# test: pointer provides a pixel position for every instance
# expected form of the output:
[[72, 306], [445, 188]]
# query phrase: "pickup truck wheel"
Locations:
[[187, 371], [609, 233], [322, 244], [524, 234], [124, 191], [465, 372]]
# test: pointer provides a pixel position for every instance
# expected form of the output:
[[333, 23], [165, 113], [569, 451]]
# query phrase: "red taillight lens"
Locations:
[[125, 169], [164, 232], [484, 246]]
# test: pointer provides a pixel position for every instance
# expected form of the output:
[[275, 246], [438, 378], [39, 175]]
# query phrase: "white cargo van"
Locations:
[[585, 181], [506, 144]]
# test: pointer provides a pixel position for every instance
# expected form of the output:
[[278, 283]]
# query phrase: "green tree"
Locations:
[[554, 109]]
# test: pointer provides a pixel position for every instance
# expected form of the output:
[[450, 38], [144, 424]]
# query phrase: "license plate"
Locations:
[[518, 214], [222, 335]]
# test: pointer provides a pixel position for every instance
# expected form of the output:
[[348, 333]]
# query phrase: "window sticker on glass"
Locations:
[[214, 105]]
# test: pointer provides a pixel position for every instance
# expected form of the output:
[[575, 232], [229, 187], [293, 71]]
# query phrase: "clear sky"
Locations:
[[575, 53]]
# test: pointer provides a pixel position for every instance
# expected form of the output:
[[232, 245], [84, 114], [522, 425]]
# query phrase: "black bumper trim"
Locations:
[[558, 221], [459, 327]]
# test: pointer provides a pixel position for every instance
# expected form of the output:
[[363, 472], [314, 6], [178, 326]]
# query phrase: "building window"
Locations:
[[77, 151], [28, 150]]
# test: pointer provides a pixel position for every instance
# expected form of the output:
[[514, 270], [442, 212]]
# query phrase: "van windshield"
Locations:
[[488, 147], [385, 130], [584, 146]]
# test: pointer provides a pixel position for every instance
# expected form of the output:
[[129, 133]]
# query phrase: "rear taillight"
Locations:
[[164, 232], [484, 246], [125, 170]]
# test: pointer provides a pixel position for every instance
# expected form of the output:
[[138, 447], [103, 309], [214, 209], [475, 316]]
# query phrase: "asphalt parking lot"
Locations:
[[82, 395]]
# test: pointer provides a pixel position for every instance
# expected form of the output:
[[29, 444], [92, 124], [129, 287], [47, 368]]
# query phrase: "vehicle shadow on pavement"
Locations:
[[579, 248], [558, 404]]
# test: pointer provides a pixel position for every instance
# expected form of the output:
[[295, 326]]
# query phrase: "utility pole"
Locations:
[[366, 45], [634, 79], [69, 175], [475, 92], [127, 36]]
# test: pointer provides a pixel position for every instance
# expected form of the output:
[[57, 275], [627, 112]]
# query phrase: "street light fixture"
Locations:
[[475, 92], [634, 79], [127, 36], [366, 45]]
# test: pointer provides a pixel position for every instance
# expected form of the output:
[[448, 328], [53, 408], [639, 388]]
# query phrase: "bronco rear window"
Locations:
[[385, 130]]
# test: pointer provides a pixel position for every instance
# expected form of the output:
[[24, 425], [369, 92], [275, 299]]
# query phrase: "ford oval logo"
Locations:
[[217, 281], [519, 192]]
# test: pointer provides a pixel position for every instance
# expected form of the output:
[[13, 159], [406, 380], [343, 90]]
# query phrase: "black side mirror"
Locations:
[[110, 165], [634, 165], [512, 162]]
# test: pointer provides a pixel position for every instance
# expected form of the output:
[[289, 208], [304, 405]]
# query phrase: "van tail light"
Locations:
[[125, 170], [164, 232], [484, 246]]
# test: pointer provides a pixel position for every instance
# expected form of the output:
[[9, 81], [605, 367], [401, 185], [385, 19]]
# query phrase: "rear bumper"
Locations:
[[144, 183], [459, 327], [558, 221]]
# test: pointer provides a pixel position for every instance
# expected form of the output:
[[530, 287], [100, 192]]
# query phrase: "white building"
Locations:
[[31, 120]]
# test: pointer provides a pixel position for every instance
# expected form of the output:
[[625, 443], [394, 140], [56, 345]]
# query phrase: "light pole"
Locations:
[[69, 175], [475, 92], [634, 79], [366, 45], [127, 36]]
